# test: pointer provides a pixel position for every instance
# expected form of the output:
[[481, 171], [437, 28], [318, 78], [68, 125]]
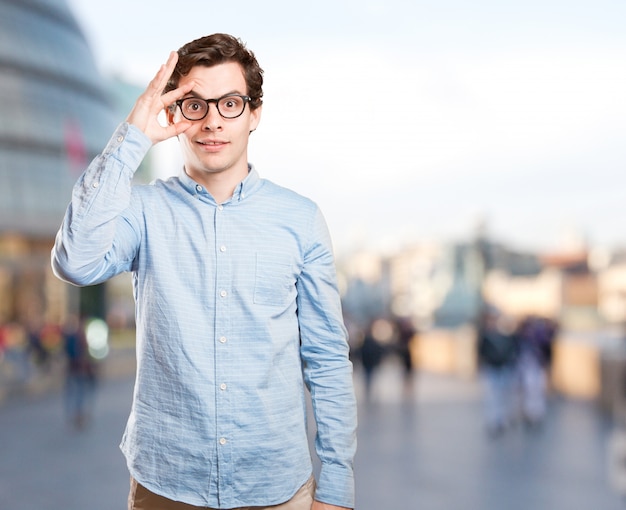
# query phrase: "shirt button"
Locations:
[[198, 188], [220, 207], [95, 184], [223, 339], [120, 138], [223, 293], [223, 386], [222, 248], [222, 440]]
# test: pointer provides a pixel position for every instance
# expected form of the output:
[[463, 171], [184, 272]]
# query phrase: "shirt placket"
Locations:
[[223, 355]]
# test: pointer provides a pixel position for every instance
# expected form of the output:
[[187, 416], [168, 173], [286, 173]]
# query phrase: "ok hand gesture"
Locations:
[[152, 102]]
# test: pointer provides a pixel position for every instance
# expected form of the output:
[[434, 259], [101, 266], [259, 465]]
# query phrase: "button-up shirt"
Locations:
[[237, 311]]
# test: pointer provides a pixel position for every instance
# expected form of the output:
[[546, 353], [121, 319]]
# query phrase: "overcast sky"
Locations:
[[413, 120]]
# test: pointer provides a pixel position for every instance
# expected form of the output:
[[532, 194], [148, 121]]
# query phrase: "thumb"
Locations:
[[175, 128]]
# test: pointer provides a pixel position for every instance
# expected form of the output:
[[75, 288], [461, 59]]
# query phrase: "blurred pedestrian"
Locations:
[[371, 354], [80, 373], [498, 351], [406, 336], [38, 353], [536, 337], [237, 302], [17, 352]]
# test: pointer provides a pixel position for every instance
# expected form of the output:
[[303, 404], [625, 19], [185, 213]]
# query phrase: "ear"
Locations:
[[169, 115], [255, 118]]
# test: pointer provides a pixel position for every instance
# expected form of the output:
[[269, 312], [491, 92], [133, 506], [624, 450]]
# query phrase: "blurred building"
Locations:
[[56, 116], [436, 285], [442, 288]]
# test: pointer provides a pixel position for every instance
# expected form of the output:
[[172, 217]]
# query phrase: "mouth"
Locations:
[[211, 145]]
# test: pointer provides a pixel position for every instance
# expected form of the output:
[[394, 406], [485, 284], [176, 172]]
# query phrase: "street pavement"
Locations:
[[426, 451]]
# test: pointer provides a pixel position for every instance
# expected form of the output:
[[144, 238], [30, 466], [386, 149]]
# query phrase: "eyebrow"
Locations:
[[193, 93]]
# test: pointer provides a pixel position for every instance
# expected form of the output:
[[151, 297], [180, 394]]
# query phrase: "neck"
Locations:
[[220, 185]]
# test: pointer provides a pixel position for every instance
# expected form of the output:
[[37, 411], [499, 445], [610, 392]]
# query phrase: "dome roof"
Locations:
[[56, 113]]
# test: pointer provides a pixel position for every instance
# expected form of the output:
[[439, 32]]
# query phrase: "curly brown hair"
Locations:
[[217, 49]]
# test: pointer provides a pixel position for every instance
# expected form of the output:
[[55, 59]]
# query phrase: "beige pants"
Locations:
[[141, 498]]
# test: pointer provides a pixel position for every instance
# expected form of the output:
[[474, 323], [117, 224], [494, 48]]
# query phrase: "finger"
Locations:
[[181, 126], [169, 97], [167, 69], [176, 128], [158, 83]]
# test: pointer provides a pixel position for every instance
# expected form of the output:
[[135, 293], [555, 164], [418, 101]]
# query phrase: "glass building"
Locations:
[[56, 115]]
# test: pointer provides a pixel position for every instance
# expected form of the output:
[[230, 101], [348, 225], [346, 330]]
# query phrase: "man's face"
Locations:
[[215, 145]]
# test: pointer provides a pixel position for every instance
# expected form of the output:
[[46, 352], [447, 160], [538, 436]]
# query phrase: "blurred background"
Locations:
[[467, 156]]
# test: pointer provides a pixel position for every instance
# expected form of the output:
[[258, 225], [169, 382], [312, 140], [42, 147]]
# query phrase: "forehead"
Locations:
[[216, 80]]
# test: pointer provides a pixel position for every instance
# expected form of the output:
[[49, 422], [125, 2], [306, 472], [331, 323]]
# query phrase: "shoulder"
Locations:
[[158, 188], [287, 198], [269, 186]]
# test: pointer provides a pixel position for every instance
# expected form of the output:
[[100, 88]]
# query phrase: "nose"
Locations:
[[213, 119]]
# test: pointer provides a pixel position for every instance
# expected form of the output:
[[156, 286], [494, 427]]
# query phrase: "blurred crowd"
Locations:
[[514, 359], [30, 351], [26, 348], [380, 339]]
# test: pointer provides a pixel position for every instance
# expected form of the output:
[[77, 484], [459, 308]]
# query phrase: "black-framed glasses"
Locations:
[[230, 106]]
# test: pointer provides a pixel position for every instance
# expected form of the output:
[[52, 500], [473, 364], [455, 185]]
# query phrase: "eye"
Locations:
[[231, 104], [193, 105]]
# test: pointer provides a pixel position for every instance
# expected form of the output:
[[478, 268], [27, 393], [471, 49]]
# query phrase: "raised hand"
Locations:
[[150, 104]]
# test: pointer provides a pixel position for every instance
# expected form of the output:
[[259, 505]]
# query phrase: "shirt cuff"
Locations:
[[336, 486]]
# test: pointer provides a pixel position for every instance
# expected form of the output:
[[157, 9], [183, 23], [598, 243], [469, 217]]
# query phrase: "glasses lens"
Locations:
[[193, 108], [231, 106]]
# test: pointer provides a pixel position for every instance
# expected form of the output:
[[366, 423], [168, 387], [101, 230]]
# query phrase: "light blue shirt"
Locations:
[[237, 309]]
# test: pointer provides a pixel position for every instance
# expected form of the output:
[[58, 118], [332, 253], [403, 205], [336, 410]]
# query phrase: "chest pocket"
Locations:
[[274, 280]]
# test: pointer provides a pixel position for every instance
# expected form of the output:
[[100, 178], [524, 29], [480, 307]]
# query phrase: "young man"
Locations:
[[237, 306]]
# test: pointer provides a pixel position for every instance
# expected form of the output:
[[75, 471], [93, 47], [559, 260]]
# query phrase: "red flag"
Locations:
[[75, 149]]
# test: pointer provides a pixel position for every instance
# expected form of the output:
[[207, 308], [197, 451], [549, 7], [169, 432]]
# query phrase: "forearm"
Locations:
[[328, 371], [335, 443], [84, 243]]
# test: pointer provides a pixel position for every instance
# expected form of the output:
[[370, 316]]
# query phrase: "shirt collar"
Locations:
[[248, 185], [243, 190]]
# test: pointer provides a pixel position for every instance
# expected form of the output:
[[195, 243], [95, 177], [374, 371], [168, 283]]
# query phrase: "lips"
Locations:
[[211, 142], [211, 145]]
